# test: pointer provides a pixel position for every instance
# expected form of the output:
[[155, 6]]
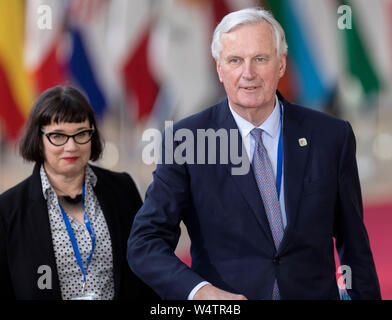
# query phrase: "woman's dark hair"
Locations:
[[57, 104]]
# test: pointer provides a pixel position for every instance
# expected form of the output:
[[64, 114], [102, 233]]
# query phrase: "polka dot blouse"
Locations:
[[99, 275]]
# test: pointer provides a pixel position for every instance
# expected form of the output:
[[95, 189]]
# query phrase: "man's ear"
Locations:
[[218, 69], [282, 65]]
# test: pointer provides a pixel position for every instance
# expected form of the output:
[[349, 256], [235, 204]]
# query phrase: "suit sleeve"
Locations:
[[131, 286], [352, 240], [156, 231]]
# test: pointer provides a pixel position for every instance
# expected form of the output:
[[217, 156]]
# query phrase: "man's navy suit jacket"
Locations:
[[231, 241]]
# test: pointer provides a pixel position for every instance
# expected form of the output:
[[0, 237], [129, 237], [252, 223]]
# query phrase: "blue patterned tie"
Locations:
[[265, 179]]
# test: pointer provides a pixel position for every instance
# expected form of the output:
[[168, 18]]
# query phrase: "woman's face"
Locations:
[[71, 158]]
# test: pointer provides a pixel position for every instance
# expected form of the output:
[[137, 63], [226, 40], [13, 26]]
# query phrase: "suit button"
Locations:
[[276, 260]]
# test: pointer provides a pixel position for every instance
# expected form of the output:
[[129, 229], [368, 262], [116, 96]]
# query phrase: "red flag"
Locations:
[[220, 9], [139, 79], [12, 118]]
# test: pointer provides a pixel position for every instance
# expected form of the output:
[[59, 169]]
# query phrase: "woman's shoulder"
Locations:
[[15, 193], [109, 177], [102, 172], [115, 184], [17, 199], [29, 187]]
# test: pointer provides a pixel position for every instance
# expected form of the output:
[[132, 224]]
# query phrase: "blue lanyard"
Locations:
[[73, 239], [279, 168]]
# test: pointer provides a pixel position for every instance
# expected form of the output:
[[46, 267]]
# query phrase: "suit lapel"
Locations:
[[246, 183], [295, 159]]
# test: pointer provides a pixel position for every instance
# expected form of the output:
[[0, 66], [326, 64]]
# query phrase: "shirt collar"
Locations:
[[270, 125], [90, 178], [46, 186]]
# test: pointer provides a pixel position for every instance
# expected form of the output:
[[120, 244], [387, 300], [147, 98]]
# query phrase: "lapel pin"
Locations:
[[302, 142]]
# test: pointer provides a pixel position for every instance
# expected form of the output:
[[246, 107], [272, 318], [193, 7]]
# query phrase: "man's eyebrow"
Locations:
[[264, 55], [232, 57]]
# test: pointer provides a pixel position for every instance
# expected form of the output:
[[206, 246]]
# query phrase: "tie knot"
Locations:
[[257, 134]]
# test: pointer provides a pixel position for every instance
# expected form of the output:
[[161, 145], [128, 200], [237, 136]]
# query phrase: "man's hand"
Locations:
[[209, 292]]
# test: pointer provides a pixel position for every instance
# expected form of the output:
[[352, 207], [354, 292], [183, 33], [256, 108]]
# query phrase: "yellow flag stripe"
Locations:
[[11, 52]]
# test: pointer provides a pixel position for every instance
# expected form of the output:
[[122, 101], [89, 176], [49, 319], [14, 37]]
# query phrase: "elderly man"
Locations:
[[267, 233]]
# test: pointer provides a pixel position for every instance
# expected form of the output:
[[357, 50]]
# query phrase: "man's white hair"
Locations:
[[245, 17]]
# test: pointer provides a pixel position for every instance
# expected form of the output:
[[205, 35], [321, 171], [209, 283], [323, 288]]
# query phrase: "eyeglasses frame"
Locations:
[[47, 134]]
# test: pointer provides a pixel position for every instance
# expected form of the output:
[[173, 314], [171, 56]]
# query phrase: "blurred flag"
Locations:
[[324, 57], [16, 94], [181, 41], [138, 76], [86, 26], [69, 47], [182, 57], [44, 43], [287, 84], [129, 34], [220, 8], [360, 67], [311, 89], [163, 54]]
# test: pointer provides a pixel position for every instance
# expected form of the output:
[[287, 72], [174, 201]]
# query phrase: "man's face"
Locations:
[[249, 66]]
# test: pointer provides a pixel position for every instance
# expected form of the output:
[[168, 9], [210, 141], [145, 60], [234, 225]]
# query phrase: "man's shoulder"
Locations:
[[204, 119], [323, 127], [308, 115], [314, 114], [318, 120]]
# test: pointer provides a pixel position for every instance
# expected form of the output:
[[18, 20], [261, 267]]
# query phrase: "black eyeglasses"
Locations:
[[60, 139]]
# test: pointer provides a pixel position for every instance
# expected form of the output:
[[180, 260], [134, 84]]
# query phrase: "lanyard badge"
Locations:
[[75, 245], [280, 155]]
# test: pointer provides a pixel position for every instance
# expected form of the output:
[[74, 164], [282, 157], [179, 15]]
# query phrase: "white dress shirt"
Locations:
[[271, 130]]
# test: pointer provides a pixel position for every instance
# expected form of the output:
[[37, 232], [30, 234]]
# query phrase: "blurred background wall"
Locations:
[[144, 62]]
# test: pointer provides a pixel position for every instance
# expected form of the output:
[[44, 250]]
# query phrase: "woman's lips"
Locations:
[[71, 159]]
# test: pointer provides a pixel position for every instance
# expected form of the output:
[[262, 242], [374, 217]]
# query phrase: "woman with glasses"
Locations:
[[64, 230]]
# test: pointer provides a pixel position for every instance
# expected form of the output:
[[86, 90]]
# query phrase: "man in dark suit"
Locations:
[[267, 233]]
